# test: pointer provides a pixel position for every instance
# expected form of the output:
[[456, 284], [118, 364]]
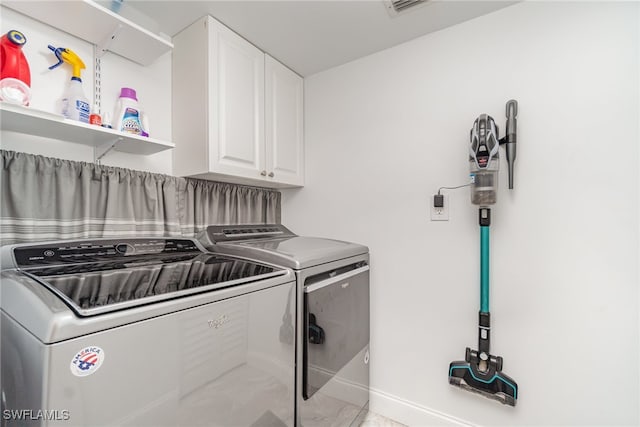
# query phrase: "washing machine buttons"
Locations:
[[125, 248]]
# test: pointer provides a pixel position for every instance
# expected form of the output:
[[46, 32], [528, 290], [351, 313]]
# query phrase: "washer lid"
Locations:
[[111, 286], [101, 276], [294, 252]]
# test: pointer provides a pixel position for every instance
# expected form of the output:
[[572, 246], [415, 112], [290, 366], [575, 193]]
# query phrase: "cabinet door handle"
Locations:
[[271, 175], [263, 173]]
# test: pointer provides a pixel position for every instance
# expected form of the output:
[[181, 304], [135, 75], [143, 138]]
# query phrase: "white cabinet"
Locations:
[[283, 125], [237, 113]]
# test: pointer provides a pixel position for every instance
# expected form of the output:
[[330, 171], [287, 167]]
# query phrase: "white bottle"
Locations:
[[128, 118], [75, 105]]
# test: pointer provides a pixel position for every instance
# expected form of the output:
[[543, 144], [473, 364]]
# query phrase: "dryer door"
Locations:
[[336, 317]]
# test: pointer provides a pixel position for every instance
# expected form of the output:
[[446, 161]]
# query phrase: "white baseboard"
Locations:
[[410, 413]]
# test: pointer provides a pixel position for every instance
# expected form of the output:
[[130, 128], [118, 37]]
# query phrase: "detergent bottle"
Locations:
[[75, 105], [15, 76], [129, 118]]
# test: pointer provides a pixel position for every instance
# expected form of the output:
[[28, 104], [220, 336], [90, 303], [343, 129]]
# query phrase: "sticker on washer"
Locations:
[[87, 361]]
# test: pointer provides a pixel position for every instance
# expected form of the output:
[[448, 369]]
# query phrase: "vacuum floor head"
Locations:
[[484, 377]]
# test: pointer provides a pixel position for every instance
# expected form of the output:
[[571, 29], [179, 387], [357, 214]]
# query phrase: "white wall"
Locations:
[[384, 132], [152, 84]]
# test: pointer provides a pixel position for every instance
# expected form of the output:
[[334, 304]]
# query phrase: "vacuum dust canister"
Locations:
[[484, 161]]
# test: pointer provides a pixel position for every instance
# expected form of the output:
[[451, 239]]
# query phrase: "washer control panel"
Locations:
[[98, 250], [230, 233]]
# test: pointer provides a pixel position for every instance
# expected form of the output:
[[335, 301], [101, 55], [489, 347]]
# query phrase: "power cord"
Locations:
[[453, 188], [438, 199]]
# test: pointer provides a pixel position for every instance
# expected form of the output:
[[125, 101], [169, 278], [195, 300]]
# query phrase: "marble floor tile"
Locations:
[[375, 420]]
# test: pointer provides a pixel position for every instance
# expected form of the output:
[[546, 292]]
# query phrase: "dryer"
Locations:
[[332, 315]]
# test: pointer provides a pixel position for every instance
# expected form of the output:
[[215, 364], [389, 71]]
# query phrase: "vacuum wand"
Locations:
[[511, 139], [481, 371]]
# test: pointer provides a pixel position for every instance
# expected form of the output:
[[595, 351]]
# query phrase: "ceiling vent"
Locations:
[[397, 7]]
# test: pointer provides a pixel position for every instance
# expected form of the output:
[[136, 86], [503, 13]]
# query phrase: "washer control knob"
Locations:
[[124, 248]]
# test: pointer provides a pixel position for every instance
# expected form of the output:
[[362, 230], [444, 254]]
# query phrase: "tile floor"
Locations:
[[375, 420]]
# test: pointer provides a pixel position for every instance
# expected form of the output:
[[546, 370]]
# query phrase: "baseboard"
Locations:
[[410, 413]]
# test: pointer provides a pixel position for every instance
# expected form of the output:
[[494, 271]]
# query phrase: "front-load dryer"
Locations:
[[332, 315]]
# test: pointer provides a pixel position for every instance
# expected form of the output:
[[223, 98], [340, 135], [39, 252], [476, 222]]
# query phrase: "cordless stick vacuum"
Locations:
[[480, 371]]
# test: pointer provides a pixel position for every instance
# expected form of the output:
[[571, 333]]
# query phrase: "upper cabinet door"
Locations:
[[284, 123], [236, 104], [237, 112]]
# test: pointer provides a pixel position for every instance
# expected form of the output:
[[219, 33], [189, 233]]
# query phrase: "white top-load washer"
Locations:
[[332, 315], [143, 332]]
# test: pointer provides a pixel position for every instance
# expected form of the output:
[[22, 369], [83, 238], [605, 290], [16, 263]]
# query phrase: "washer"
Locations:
[[332, 315], [153, 332]]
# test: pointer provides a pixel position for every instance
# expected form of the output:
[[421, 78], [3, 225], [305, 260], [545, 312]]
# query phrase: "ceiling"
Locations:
[[310, 36]]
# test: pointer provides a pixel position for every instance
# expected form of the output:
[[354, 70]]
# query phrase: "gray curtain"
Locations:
[[208, 202], [49, 199]]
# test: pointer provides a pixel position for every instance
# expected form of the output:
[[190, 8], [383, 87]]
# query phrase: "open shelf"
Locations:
[[25, 120], [98, 25]]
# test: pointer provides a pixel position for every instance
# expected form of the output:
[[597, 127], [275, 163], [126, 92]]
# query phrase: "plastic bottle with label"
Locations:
[[15, 75], [75, 105], [94, 117], [128, 118]]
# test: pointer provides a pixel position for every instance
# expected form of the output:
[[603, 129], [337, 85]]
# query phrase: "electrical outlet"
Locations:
[[440, 213]]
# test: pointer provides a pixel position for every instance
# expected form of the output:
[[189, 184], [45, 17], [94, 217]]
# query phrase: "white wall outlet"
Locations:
[[439, 214]]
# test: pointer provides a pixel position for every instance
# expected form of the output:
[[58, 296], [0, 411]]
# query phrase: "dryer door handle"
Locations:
[[332, 280]]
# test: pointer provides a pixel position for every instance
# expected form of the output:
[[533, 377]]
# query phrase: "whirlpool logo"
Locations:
[[219, 322]]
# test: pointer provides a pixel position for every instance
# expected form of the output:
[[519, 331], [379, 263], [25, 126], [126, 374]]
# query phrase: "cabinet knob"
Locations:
[[271, 175], [263, 173]]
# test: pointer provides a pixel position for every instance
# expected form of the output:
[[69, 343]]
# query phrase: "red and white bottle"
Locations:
[[15, 75]]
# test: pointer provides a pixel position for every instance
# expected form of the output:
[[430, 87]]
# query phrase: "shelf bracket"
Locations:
[[104, 45], [101, 151]]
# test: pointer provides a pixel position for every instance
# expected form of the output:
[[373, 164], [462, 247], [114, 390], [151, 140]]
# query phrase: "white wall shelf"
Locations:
[[98, 25], [17, 118]]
